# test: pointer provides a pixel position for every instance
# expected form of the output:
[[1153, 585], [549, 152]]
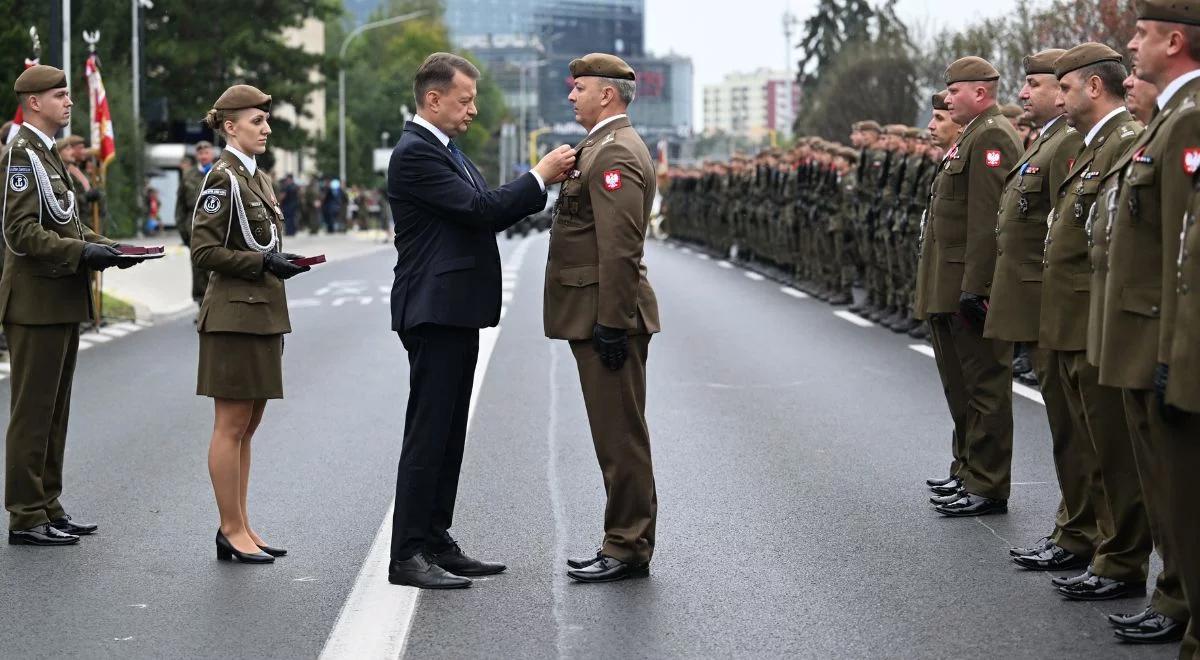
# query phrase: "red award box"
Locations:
[[143, 252], [309, 261]]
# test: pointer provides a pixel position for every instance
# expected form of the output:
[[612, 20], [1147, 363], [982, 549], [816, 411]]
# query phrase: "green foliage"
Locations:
[[380, 65]]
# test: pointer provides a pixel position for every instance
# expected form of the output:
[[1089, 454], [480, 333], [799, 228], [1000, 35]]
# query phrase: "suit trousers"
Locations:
[[441, 363], [987, 374], [1181, 456], [616, 410], [1086, 519], [1123, 551], [1149, 434], [43, 367], [953, 386]]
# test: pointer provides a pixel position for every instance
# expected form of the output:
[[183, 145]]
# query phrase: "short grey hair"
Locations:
[[626, 89]]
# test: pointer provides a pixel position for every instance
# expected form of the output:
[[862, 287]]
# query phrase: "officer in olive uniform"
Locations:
[[191, 177], [961, 233], [598, 298], [1015, 308], [44, 296], [1139, 311]]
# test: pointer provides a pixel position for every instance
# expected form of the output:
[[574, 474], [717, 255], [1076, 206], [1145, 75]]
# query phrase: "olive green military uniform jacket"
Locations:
[[1067, 273], [44, 281], [241, 296], [595, 273], [1099, 234], [1138, 309], [1028, 198], [1183, 386], [961, 228], [185, 202]]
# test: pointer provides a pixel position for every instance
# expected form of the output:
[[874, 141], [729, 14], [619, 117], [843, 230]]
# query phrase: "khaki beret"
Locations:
[[1026, 122], [1170, 11], [912, 132], [203, 144], [939, 100], [1011, 110], [602, 65], [240, 97], [869, 125], [69, 141], [971, 69], [1085, 55], [1042, 62], [895, 129], [39, 78]]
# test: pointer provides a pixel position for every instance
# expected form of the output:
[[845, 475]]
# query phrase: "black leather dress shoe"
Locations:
[[940, 482], [274, 552], [226, 552], [1130, 620], [939, 500], [454, 560], [65, 524], [1099, 587], [1068, 580], [972, 505], [584, 562], [41, 535], [1154, 629], [1042, 544], [417, 571], [607, 569], [1053, 559], [948, 489]]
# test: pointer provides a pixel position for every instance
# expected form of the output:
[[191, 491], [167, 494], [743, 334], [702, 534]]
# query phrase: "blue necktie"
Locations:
[[461, 160]]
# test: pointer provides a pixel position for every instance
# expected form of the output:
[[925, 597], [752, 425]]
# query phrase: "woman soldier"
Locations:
[[236, 232]]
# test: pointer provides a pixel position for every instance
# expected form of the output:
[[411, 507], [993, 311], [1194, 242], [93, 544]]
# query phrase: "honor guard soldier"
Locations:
[[598, 298], [961, 234], [1140, 296], [1015, 308], [44, 297]]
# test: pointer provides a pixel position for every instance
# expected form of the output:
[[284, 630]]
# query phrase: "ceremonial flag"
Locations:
[[103, 139], [19, 116]]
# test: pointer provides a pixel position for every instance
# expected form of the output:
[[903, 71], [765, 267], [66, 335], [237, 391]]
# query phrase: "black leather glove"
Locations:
[[280, 265], [1170, 413], [612, 344], [98, 257], [92, 194], [974, 309], [127, 261]]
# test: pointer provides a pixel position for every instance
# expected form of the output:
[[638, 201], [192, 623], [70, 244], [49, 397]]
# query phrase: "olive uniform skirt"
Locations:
[[235, 365]]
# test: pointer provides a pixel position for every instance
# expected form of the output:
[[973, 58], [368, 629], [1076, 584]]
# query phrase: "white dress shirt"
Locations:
[[445, 140], [248, 161]]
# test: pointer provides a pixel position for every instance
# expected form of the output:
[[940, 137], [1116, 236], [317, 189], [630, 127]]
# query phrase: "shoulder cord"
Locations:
[[235, 191], [61, 216]]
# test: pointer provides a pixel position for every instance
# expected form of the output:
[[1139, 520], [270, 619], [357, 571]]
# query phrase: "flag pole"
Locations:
[[97, 276]]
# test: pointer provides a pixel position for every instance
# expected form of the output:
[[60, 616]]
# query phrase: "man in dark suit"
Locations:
[[447, 287]]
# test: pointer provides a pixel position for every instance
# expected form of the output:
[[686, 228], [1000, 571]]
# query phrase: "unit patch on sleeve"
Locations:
[[612, 180], [991, 157]]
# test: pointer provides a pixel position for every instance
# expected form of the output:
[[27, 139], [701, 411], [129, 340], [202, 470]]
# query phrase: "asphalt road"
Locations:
[[790, 449]]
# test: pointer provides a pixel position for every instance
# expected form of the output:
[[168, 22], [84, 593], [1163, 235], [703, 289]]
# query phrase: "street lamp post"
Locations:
[[342, 81]]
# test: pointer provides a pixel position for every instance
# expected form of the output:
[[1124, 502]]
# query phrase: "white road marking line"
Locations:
[[685, 250], [144, 324], [853, 318], [95, 337], [385, 289], [795, 293], [83, 345], [128, 327], [923, 349], [1029, 393], [702, 257], [1018, 388], [558, 582], [377, 616], [506, 296], [757, 277], [724, 264], [113, 332], [296, 303], [5, 367]]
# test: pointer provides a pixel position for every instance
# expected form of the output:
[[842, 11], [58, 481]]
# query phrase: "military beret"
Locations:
[[1026, 122], [1170, 11], [939, 101], [912, 132], [69, 141], [1085, 55], [895, 129], [1042, 62], [602, 65], [240, 97], [869, 125], [971, 69], [39, 78], [203, 144], [1011, 110]]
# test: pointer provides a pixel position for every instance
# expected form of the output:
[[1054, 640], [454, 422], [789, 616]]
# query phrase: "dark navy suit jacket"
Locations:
[[448, 266]]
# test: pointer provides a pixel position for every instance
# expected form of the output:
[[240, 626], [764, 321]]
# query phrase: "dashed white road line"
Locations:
[[853, 318], [795, 293], [724, 264], [702, 257], [5, 368], [95, 337], [751, 275], [923, 349], [113, 332]]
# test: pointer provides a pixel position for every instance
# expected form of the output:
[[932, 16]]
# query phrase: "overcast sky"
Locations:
[[743, 35]]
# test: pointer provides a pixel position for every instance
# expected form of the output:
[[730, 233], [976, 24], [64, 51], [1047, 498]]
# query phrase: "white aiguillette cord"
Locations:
[[235, 191]]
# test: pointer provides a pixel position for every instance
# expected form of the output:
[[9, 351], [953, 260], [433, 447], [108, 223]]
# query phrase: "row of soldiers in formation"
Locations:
[[1082, 244]]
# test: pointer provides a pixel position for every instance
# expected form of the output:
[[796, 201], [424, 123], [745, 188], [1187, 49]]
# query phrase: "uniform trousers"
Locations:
[[953, 386], [1181, 456], [441, 363], [987, 376], [43, 367], [1123, 550], [1150, 435], [616, 410]]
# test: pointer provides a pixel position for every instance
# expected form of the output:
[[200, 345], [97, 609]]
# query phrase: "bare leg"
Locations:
[[255, 419], [232, 419]]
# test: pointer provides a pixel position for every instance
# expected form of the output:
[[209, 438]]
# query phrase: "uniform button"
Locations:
[[1183, 288], [581, 281], [630, 314], [249, 297], [1154, 310], [999, 252]]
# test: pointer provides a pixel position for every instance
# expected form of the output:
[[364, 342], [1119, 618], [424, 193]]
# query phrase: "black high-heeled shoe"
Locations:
[[274, 552], [226, 552]]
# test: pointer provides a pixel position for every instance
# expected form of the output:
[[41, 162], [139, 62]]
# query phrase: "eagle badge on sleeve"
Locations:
[[612, 180]]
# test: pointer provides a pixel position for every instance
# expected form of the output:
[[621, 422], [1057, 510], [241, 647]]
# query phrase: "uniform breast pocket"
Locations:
[[1141, 181], [1085, 197], [953, 182]]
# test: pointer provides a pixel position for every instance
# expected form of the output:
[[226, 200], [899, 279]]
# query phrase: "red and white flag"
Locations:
[[103, 139]]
